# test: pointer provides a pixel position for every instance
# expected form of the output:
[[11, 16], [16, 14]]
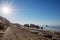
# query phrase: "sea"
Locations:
[[52, 27]]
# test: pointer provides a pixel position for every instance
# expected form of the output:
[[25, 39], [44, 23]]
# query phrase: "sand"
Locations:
[[19, 33]]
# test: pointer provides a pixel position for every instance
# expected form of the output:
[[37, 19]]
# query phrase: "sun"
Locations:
[[6, 10]]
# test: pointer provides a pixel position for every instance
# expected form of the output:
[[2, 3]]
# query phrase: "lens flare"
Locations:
[[5, 10]]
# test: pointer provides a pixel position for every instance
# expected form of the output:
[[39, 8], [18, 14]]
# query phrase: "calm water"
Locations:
[[54, 28]]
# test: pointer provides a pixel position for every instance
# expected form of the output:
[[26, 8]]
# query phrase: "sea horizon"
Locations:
[[51, 27]]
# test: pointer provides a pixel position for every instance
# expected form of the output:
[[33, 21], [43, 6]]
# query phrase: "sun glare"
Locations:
[[6, 10], [6, 7]]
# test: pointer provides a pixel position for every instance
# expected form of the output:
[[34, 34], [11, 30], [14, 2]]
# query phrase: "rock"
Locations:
[[16, 25], [41, 27], [47, 35], [4, 23], [26, 25]]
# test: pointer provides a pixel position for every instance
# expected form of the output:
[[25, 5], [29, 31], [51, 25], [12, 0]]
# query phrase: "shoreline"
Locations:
[[25, 33]]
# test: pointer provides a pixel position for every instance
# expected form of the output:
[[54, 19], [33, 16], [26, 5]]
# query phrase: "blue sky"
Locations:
[[40, 12]]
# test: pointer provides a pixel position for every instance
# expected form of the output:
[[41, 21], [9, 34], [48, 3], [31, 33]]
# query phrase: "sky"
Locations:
[[41, 12]]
